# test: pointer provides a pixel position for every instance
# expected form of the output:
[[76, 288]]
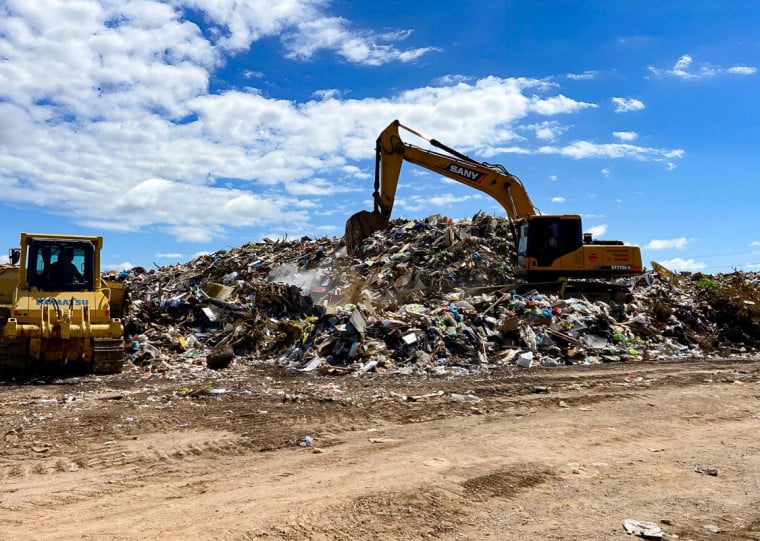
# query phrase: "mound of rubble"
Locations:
[[424, 297]]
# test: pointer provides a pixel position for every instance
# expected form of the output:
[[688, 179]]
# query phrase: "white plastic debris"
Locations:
[[525, 360], [647, 530]]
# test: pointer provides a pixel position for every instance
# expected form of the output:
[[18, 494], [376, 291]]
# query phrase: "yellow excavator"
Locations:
[[548, 247], [56, 311]]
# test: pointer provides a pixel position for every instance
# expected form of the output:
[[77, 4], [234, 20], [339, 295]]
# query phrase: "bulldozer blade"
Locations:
[[360, 226]]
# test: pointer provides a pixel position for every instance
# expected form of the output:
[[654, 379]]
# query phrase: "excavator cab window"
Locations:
[[546, 238], [522, 244], [60, 265]]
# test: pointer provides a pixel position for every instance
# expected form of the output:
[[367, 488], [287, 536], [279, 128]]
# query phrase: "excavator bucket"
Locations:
[[360, 226]]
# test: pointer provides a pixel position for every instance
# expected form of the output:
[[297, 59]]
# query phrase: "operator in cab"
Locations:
[[63, 271]]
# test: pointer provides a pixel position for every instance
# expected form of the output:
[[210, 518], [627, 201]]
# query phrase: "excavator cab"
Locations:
[[545, 238], [60, 265], [554, 246]]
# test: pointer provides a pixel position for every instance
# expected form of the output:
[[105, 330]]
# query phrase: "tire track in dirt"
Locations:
[[127, 462]]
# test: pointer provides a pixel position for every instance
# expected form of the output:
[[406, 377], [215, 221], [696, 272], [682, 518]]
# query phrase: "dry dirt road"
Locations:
[[562, 453]]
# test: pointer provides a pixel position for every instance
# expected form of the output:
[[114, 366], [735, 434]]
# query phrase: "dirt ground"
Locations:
[[547, 453]]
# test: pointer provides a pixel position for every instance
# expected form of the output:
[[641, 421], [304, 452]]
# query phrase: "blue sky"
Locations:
[[182, 127]]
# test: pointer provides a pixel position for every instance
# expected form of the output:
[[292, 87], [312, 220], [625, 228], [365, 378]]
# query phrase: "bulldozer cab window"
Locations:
[[61, 266]]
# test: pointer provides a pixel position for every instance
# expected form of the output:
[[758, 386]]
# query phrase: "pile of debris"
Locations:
[[434, 296]]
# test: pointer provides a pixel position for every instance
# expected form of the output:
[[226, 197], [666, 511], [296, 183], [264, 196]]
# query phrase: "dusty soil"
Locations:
[[549, 453]]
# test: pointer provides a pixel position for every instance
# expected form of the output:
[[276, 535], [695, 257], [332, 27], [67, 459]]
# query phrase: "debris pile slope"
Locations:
[[432, 297]]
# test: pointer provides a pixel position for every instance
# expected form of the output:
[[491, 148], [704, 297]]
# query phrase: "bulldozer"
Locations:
[[549, 248], [57, 312]]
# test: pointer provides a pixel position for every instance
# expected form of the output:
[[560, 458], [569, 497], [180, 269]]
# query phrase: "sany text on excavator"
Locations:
[[548, 247]]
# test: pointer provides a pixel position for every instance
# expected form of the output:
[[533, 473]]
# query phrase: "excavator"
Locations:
[[548, 247], [57, 314]]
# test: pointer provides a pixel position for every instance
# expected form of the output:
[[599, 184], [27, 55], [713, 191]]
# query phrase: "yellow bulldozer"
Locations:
[[57, 312]]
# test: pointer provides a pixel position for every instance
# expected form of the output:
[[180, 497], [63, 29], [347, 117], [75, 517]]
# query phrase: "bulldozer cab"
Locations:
[[60, 265]]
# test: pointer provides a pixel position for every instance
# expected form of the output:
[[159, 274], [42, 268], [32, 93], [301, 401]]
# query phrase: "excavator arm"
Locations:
[[391, 151]]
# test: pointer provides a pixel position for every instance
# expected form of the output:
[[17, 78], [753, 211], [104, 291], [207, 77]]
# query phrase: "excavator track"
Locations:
[[108, 355]]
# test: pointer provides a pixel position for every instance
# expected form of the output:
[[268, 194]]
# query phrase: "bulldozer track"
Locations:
[[108, 355], [13, 357]]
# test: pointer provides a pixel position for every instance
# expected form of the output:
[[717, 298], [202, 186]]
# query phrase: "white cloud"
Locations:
[[586, 149], [586, 75], [605, 172], [667, 244], [558, 104], [553, 178], [107, 117], [117, 267], [434, 203], [626, 136], [624, 105], [548, 131], [678, 264], [681, 65], [684, 69], [361, 47], [742, 70], [442, 200], [597, 231], [199, 214], [331, 93], [451, 79], [755, 243], [491, 151], [250, 74], [558, 199], [170, 255], [235, 25]]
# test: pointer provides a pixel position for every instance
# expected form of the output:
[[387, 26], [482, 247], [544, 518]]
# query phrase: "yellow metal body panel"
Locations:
[[590, 260], [8, 282]]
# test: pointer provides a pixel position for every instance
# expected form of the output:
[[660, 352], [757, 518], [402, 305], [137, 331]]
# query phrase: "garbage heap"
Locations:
[[431, 297]]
